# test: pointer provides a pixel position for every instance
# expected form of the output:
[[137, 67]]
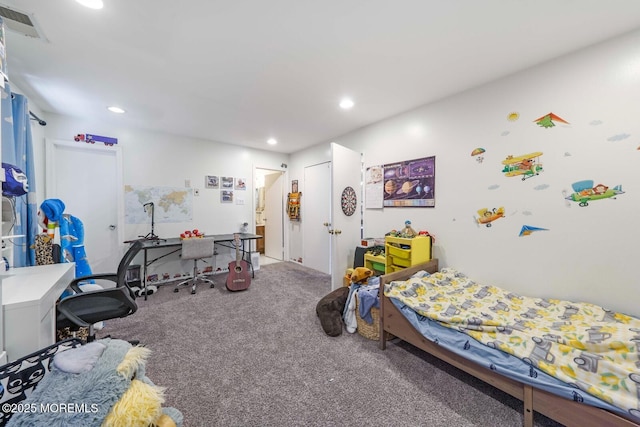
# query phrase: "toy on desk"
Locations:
[[190, 234]]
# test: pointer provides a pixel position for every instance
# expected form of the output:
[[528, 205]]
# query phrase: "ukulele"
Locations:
[[239, 278]]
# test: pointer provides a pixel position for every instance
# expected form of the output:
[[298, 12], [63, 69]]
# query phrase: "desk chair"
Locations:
[[85, 308], [195, 249]]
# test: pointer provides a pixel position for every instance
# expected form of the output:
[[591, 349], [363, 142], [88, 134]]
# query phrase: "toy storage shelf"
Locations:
[[376, 263], [401, 252]]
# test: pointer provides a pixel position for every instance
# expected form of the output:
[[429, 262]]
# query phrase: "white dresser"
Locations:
[[29, 296]]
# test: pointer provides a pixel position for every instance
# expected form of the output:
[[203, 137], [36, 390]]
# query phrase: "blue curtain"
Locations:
[[17, 149]]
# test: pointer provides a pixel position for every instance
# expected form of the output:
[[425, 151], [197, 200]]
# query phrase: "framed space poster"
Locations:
[[410, 183]]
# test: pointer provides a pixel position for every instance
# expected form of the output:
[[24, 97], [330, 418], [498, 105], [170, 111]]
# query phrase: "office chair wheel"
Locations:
[[176, 290], [193, 291], [212, 286]]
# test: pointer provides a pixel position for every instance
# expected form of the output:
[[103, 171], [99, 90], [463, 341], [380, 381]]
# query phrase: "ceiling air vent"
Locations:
[[19, 22]]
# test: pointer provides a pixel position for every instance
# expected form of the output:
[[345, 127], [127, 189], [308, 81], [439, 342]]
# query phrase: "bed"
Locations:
[[566, 403]]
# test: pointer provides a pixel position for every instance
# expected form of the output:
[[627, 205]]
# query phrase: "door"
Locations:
[[88, 179], [346, 224], [316, 217], [274, 216]]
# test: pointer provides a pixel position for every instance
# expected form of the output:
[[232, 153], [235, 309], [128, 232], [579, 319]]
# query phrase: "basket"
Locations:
[[370, 330]]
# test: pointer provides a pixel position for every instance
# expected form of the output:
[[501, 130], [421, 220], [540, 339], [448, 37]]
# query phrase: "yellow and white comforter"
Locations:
[[579, 343]]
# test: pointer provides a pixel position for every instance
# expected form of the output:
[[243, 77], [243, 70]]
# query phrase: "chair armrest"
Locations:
[[72, 317], [105, 276]]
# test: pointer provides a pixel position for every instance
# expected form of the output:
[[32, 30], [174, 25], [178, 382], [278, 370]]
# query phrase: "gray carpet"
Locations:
[[260, 358]]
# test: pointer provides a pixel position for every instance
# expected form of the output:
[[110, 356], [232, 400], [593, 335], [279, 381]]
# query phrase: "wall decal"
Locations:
[[595, 122], [527, 165], [585, 191], [619, 137], [567, 154], [505, 133], [493, 187], [547, 121], [512, 117], [541, 187], [478, 154], [486, 216], [528, 229]]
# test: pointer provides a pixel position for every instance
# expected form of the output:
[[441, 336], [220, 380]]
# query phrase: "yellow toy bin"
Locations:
[[400, 261], [399, 252]]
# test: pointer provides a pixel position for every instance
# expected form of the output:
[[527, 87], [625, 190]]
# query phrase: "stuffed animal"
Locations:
[[361, 275], [329, 309], [107, 381]]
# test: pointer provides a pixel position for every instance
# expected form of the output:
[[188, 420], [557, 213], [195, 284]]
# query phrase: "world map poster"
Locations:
[[170, 204], [410, 183]]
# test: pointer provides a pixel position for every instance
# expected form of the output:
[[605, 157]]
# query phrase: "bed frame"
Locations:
[[565, 411]]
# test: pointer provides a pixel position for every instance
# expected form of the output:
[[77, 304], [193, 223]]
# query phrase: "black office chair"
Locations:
[[85, 308]]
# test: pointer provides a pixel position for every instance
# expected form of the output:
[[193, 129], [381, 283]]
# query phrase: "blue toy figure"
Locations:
[[71, 239]]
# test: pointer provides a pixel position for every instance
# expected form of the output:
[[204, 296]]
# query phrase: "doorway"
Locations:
[[269, 214], [88, 179]]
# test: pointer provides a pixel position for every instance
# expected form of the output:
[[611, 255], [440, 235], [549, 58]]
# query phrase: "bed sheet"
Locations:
[[579, 351]]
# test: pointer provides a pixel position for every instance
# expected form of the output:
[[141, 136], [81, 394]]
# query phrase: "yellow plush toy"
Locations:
[[360, 275]]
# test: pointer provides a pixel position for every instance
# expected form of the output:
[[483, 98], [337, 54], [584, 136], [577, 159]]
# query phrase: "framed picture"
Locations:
[[241, 184], [294, 186], [227, 182], [211, 181], [226, 196], [410, 183]]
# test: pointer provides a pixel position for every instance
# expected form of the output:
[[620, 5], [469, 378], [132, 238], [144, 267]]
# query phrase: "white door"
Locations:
[[274, 216], [346, 228], [316, 217], [88, 179]]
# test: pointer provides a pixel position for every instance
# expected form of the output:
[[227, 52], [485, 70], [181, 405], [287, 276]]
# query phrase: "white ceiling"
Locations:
[[242, 71]]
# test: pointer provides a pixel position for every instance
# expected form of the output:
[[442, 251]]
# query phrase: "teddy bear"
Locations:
[[329, 310]]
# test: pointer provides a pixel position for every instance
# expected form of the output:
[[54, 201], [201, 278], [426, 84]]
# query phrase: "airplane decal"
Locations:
[[585, 191]]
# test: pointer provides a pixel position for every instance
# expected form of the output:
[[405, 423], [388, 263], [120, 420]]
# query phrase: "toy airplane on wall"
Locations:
[[486, 216], [585, 191], [527, 165]]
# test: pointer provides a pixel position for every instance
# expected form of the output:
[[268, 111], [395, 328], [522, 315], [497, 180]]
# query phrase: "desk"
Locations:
[[225, 240], [29, 296]]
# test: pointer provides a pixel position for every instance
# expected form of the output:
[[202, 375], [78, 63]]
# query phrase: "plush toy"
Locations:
[[408, 231], [329, 309], [361, 275], [107, 379]]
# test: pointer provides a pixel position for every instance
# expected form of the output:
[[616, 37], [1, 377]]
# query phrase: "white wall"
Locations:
[[589, 253], [154, 159]]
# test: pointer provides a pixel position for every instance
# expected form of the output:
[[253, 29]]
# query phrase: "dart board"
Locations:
[[349, 201]]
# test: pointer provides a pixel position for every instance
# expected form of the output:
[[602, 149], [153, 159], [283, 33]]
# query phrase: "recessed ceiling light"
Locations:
[[272, 141], [117, 110], [91, 4], [346, 104]]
